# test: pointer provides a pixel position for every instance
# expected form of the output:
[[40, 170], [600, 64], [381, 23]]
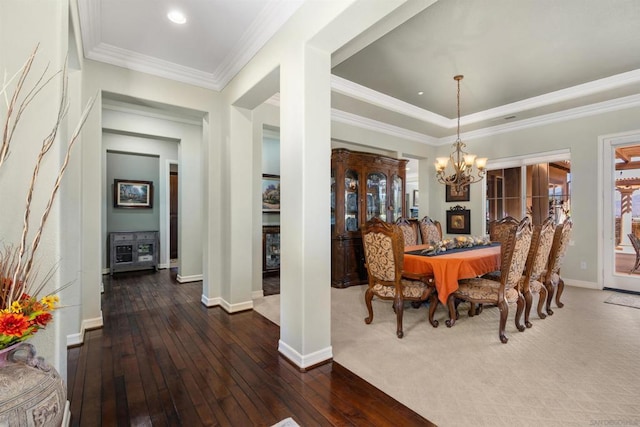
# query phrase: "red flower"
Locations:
[[13, 324], [43, 319]]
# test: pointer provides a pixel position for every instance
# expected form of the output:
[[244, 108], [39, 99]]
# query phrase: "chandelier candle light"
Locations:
[[462, 162]]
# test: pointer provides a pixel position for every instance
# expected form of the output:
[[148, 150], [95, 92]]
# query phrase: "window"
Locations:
[[536, 187]]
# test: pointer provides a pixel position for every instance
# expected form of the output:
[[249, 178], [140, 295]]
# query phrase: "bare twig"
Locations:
[[16, 263]]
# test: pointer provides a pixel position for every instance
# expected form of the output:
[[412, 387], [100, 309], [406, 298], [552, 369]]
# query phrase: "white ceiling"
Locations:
[[522, 60]]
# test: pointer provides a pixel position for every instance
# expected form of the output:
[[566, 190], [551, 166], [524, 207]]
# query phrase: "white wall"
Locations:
[[186, 136], [202, 160], [57, 250], [580, 136], [164, 150]]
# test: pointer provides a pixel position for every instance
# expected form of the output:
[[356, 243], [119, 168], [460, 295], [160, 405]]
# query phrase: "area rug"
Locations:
[[438, 372], [628, 300]]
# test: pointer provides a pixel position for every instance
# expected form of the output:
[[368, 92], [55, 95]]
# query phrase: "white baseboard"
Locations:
[[235, 308], [257, 294], [163, 266], [77, 339], [581, 284], [229, 308], [210, 302], [106, 271], [305, 361], [186, 279]]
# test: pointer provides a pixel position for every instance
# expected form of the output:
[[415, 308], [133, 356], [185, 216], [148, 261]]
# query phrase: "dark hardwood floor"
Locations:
[[164, 359]]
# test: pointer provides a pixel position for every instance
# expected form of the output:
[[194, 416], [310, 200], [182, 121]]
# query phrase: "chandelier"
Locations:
[[461, 173]]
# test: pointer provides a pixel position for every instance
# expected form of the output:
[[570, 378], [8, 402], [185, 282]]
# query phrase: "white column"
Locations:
[[305, 159]]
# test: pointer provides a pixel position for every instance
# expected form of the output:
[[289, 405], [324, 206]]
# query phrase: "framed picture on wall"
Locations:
[[129, 193], [270, 193], [415, 197], [458, 220], [451, 195]]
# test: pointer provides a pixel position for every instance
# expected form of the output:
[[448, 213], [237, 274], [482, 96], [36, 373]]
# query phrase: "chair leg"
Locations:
[[541, 301], [433, 304], [504, 313], [368, 296], [549, 287], [637, 264], [559, 293], [528, 302], [519, 309], [398, 304], [452, 312]]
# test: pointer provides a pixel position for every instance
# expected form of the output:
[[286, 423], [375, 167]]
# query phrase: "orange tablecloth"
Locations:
[[447, 269]]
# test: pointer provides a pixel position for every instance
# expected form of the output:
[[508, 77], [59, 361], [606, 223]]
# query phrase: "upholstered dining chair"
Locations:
[[541, 243], [636, 247], [499, 229], [384, 258], [430, 230], [409, 231], [480, 290], [552, 279]]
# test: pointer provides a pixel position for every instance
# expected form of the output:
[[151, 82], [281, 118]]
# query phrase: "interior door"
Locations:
[[621, 183]]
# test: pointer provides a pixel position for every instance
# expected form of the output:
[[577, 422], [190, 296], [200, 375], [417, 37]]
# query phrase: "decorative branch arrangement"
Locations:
[[16, 263]]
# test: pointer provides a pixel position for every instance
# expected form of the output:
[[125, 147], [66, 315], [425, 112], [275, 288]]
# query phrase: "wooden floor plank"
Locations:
[[164, 359]]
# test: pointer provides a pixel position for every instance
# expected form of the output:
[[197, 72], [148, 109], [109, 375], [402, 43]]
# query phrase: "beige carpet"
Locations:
[[578, 367]]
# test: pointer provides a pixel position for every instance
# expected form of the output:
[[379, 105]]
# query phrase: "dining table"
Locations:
[[450, 266]]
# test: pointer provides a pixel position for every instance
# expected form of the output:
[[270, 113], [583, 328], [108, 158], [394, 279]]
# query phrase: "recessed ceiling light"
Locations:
[[177, 17], [421, 93]]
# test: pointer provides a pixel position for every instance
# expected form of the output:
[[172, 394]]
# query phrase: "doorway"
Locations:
[[621, 182]]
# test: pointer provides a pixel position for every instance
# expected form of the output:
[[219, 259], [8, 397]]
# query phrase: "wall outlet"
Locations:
[[583, 265]]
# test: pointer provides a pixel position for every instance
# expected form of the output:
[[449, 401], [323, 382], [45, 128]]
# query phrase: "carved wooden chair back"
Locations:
[[430, 230], [499, 229], [559, 247], [514, 253], [635, 242], [384, 258], [409, 231]]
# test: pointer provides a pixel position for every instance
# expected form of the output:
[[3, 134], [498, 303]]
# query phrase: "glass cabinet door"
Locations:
[[396, 198], [377, 196], [351, 188], [333, 199], [145, 252]]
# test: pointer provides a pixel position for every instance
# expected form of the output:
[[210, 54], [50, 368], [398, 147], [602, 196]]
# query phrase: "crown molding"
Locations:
[[89, 11], [570, 114], [124, 107], [267, 23], [354, 90], [590, 88], [630, 101], [154, 66], [375, 125]]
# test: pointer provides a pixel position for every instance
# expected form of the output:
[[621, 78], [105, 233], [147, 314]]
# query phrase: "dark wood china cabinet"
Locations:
[[363, 186]]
